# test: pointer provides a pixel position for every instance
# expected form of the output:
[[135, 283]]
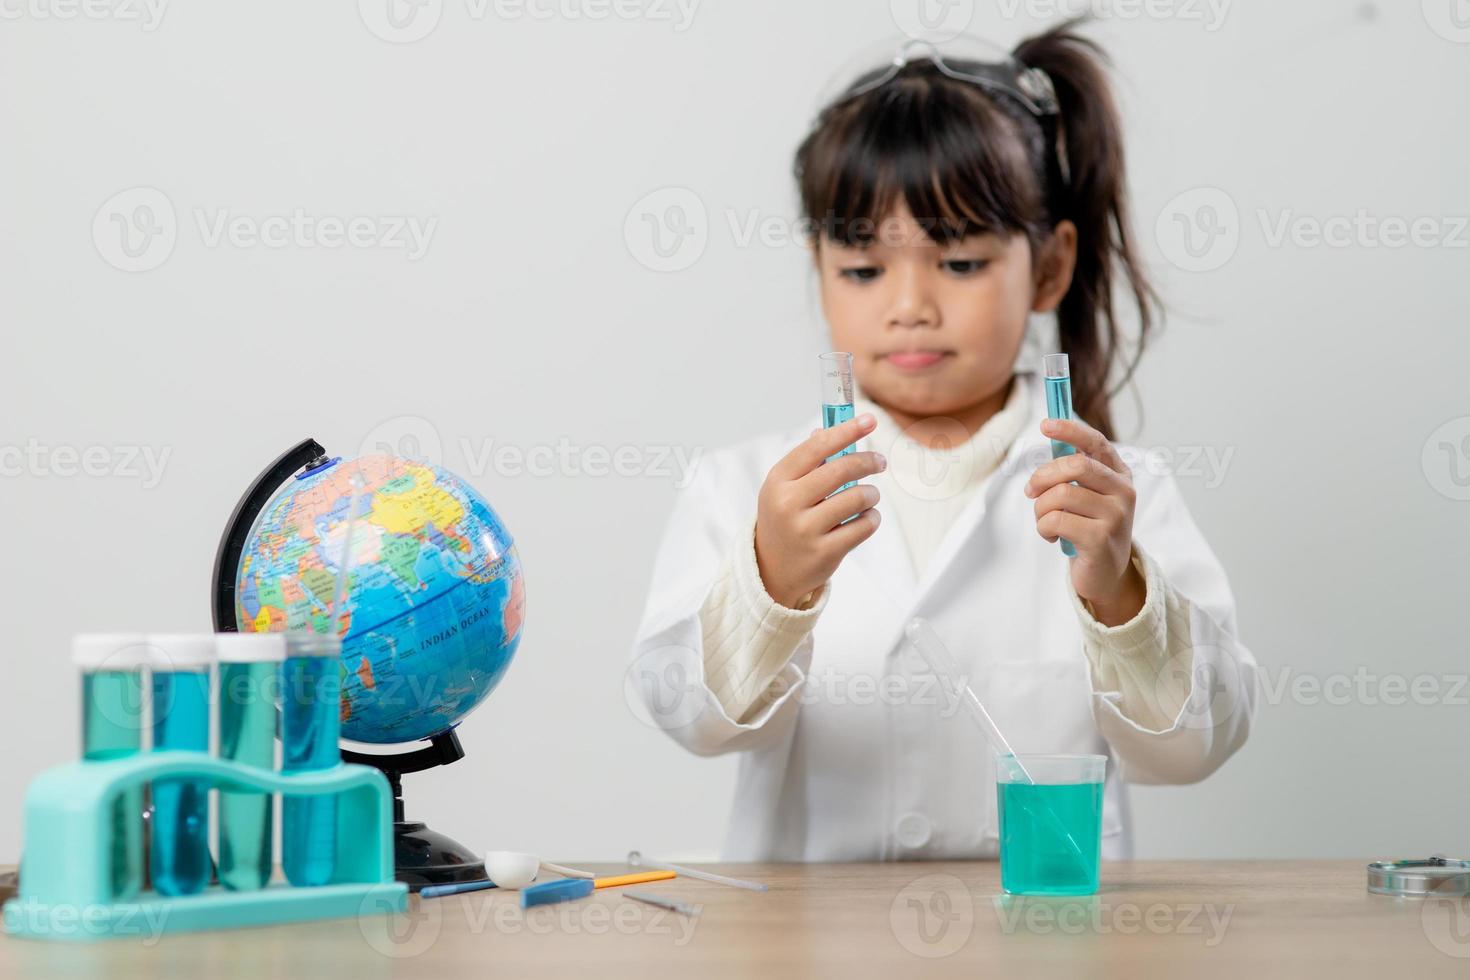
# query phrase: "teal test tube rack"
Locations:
[[66, 888]]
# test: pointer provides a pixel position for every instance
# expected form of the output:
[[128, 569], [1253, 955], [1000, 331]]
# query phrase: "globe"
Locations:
[[434, 597]]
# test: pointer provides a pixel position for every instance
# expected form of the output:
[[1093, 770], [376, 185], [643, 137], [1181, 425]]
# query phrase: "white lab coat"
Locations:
[[864, 756]]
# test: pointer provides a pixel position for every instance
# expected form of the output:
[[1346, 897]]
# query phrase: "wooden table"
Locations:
[[1251, 919]]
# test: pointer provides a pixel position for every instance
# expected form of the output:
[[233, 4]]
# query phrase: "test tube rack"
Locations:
[[65, 872]]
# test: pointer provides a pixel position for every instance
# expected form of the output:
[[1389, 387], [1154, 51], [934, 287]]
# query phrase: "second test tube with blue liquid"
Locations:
[[179, 855], [1057, 372], [838, 403], [310, 719]]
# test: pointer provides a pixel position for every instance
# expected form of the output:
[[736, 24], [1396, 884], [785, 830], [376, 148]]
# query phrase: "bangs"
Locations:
[[943, 148]]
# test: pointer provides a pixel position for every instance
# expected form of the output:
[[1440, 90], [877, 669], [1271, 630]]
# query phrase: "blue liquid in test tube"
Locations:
[[249, 682], [837, 399], [1058, 374], [179, 856], [311, 686], [112, 728]]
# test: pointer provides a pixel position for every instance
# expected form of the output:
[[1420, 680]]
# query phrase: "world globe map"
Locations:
[[435, 597]]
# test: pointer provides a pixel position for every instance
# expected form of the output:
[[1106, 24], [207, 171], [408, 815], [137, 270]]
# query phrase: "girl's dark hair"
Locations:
[[967, 160]]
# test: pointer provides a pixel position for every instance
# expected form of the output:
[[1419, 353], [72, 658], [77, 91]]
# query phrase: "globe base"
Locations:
[[422, 856]]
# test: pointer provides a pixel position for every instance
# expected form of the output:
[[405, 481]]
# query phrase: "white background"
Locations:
[[534, 318]]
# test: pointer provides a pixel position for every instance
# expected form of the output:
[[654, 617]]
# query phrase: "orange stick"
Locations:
[[634, 879]]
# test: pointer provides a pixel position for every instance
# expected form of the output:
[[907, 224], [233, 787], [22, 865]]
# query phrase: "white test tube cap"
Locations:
[[181, 651], [110, 651], [250, 648]]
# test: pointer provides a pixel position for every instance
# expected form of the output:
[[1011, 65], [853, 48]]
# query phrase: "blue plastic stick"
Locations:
[[550, 892], [439, 891]]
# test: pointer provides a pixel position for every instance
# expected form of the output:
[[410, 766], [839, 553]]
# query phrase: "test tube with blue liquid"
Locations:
[[837, 398], [179, 854], [112, 665], [1058, 379], [311, 685], [249, 683]]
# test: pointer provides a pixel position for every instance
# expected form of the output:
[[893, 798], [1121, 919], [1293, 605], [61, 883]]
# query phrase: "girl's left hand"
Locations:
[[1096, 515]]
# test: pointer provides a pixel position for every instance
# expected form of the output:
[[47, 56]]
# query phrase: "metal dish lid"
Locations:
[[1420, 877]]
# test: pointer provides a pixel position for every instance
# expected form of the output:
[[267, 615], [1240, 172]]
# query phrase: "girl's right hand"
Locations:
[[799, 535]]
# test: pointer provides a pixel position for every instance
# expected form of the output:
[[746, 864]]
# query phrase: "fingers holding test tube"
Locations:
[[803, 528], [1088, 500]]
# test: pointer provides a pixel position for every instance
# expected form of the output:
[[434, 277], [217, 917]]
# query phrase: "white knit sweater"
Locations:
[[749, 637]]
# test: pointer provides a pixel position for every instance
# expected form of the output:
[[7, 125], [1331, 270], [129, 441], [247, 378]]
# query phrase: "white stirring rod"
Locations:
[[636, 859], [937, 656], [567, 872]]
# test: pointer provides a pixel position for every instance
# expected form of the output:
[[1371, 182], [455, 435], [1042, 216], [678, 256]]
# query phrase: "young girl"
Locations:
[[950, 199]]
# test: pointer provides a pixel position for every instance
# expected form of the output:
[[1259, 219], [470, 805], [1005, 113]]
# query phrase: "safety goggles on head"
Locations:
[[964, 58]]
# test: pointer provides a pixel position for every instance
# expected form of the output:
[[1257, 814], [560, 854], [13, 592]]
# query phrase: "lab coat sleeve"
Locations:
[[1174, 688], [703, 541], [748, 636]]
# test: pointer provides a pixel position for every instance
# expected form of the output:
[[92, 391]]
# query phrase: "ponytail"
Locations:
[[1094, 197]]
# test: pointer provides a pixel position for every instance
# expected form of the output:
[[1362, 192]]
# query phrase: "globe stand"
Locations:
[[420, 856]]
